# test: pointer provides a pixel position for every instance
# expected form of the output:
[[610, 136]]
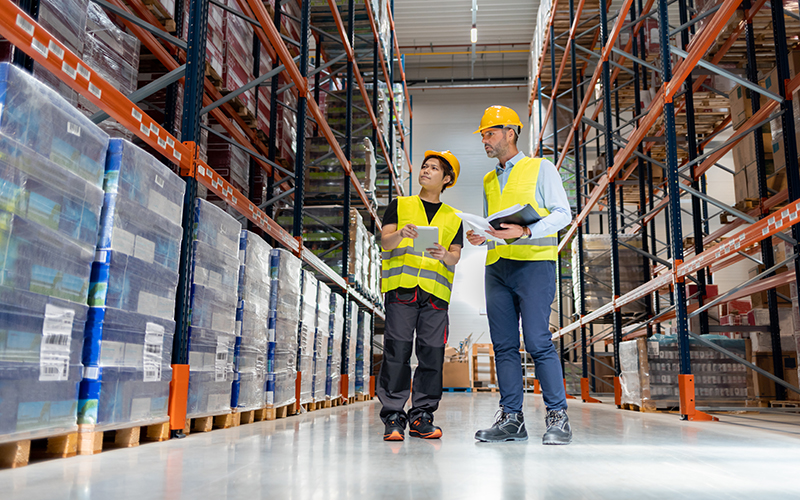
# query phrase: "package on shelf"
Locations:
[[286, 132], [214, 297], [333, 387], [350, 340], [128, 337], [40, 119], [777, 180], [252, 317], [237, 68], [215, 42], [363, 352], [325, 177], [634, 391], [264, 93], [305, 335], [231, 163], [66, 20], [114, 55], [321, 341], [41, 339], [322, 231], [597, 268], [284, 319]]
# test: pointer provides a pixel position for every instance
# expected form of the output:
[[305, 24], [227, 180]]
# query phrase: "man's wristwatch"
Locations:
[[526, 232]]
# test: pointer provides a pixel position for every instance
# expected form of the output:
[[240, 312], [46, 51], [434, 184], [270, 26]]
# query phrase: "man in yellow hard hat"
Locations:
[[520, 278], [417, 289]]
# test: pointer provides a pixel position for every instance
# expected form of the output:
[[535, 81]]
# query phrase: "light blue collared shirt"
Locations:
[[550, 194]]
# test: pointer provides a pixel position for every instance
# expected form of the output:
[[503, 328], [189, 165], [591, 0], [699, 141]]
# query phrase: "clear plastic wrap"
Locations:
[[363, 352], [238, 56], [351, 340], [215, 284], [128, 339], [41, 339], [305, 336], [333, 388], [252, 316], [40, 119], [284, 317], [325, 177], [630, 372], [321, 340]]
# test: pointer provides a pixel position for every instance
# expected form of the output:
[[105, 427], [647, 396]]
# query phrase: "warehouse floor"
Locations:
[[339, 453]]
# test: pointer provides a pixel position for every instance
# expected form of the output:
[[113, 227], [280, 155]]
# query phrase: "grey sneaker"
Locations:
[[558, 429], [507, 427]]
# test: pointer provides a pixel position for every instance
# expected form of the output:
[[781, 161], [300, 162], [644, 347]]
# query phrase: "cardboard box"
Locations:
[[740, 186], [736, 306], [764, 387], [759, 300], [456, 374], [741, 107], [744, 152], [752, 182]]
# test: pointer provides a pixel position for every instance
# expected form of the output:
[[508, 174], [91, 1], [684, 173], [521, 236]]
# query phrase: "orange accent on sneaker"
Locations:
[[435, 434], [394, 436]]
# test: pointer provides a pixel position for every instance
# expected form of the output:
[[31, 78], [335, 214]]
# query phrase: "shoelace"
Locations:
[[500, 417], [554, 417]]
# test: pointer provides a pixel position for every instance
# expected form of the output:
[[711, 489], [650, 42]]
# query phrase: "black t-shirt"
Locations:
[[390, 217]]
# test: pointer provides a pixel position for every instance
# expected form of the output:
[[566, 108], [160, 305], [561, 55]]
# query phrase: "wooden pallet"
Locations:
[[252, 416], [213, 76], [162, 14], [363, 397], [351, 400], [245, 114], [91, 441], [18, 453], [485, 389], [211, 422], [634, 407], [284, 411], [785, 404]]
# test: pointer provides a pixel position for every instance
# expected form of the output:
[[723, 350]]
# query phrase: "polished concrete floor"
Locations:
[[339, 453]]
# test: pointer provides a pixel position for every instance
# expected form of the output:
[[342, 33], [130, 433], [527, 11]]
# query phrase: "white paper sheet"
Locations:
[[479, 225]]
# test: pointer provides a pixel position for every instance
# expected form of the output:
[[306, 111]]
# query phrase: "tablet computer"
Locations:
[[427, 237]]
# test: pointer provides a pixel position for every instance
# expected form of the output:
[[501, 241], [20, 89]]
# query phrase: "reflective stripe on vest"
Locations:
[[405, 268], [520, 189]]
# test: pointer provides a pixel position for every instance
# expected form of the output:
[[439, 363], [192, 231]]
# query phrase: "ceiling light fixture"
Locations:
[[473, 34]]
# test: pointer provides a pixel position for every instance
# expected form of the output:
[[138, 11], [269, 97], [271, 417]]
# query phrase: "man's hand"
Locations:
[[409, 231], [509, 232], [474, 239], [438, 252]]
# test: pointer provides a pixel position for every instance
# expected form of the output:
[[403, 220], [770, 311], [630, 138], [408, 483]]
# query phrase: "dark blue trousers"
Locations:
[[523, 289]]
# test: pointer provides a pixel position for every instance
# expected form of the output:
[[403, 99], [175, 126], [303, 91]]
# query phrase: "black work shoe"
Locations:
[[395, 427], [508, 427], [422, 427], [558, 429]]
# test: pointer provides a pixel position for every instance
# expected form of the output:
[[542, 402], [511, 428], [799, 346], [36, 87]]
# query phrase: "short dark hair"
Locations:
[[448, 170]]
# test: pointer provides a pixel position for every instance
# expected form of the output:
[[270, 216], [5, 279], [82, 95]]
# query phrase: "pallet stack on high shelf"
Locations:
[[727, 75], [240, 148]]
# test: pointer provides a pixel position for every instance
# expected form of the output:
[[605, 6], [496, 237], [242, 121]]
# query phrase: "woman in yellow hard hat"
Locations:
[[417, 289]]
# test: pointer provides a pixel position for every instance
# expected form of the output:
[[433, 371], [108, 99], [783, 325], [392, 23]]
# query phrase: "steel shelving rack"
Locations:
[[184, 59], [642, 141]]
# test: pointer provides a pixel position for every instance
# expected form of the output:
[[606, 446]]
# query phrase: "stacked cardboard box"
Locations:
[[305, 335], [322, 339], [284, 318], [237, 69], [252, 317], [214, 297], [51, 170], [325, 177], [128, 351], [333, 388]]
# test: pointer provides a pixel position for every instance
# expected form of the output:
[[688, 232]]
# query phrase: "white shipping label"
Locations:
[[56, 339], [39, 47], [24, 24], [73, 129], [56, 50], [153, 352], [95, 90], [112, 353], [123, 241], [159, 204], [84, 72], [221, 361], [145, 249], [69, 70]]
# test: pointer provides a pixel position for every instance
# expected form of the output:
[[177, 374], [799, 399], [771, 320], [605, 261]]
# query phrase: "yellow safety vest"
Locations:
[[520, 188], [405, 268]]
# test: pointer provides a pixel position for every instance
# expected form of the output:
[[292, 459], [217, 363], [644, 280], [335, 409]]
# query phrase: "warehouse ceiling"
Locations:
[[504, 33]]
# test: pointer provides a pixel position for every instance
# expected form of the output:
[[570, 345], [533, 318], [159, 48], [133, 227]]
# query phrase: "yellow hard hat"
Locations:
[[449, 158], [495, 116]]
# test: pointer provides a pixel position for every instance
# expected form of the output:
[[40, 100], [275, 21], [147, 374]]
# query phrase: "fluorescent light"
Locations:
[[473, 34]]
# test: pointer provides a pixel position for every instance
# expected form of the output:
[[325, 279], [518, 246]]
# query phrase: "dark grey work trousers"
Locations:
[[408, 311]]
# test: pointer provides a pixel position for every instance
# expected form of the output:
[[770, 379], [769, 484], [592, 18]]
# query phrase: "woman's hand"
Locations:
[[438, 252], [474, 239]]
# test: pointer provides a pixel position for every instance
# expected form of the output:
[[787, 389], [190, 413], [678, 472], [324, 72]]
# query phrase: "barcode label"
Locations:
[[56, 50], [39, 47], [56, 340], [153, 352], [69, 70], [136, 114], [24, 24], [95, 90], [144, 129], [159, 181], [83, 71], [154, 128], [73, 129], [176, 154], [170, 142], [162, 143]]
